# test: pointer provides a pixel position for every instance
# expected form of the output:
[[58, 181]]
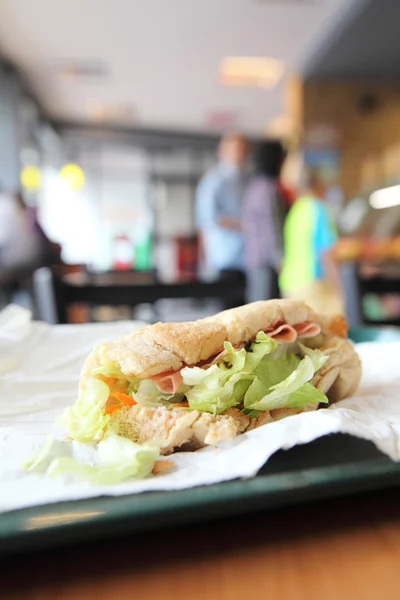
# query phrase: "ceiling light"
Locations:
[[250, 71], [386, 197], [73, 175], [30, 178]]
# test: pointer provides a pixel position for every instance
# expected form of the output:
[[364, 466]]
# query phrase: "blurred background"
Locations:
[[118, 198]]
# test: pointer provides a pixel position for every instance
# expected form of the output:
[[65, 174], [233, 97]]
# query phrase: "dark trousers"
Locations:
[[262, 284], [233, 278]]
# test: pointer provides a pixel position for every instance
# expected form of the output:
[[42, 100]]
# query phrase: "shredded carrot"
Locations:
[[184, 404], [110, 381], [162, 466], [112, 408], [124, 398]]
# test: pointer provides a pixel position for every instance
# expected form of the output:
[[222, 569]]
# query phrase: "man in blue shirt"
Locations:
[[219, 207]]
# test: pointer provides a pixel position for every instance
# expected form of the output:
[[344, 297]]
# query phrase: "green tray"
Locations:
[[374, 334], [330, 466]]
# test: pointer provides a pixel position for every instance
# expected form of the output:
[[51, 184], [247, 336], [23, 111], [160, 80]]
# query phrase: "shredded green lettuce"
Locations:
[[39, 460], [122, 459], [262, 346], [85, 421], [117, 459], [264, 375], [224, 385]]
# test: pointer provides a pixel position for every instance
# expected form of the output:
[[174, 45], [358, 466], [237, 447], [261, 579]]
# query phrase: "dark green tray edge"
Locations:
[[62, 523]]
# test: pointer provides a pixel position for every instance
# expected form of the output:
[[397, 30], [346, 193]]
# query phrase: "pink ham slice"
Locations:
[[169, 383], [307, 329], [284, 333]]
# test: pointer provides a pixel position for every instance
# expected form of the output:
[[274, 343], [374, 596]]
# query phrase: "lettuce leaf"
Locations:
[[39, 460], [109, 370], [306, 395], [85, 421], [215, 396], [122, 459], [117, 459], [262, 346], [280, 382]]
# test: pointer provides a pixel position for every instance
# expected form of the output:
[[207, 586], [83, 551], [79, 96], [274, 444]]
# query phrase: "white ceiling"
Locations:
[[162, 56]]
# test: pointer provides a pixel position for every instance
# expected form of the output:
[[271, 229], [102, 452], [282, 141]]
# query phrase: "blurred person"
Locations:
[[19, 243], [49, 252], [218, 209], [309, 269], [24, 247], [262, 221]]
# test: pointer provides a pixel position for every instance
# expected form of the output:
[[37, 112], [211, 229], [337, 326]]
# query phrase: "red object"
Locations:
[[187, 258], [122, 253], [221, 119], [288, 195]]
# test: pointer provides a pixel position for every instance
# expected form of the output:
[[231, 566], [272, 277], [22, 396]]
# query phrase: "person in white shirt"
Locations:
[[219, 207]]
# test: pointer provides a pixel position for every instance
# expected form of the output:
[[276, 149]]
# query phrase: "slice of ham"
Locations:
[[307, 329], [283, 333], [169, 383]]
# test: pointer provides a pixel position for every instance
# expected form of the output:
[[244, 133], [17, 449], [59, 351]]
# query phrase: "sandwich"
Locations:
[[189, 385]]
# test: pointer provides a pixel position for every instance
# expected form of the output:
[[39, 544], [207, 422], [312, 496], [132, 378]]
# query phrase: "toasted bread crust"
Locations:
[[164, 347], [244, 322]]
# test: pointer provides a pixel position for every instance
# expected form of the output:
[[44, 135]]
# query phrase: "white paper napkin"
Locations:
[[39, 371]]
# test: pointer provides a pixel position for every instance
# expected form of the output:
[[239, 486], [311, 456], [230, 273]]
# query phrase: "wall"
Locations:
[[365, 131]]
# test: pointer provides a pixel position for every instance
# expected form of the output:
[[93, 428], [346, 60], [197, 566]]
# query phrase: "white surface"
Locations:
[[39, 369], [162, 56]]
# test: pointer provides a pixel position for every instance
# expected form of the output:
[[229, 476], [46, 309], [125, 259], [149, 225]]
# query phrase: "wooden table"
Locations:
[[342, 549]]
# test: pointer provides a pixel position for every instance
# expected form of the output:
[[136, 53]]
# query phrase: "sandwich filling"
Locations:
[[271, 372]]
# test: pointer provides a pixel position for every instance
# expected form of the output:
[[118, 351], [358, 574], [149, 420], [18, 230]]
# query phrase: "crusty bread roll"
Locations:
[[340, 376], [166, 347]]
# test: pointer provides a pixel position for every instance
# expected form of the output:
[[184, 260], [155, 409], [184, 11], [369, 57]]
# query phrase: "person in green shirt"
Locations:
[[309, 270]]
